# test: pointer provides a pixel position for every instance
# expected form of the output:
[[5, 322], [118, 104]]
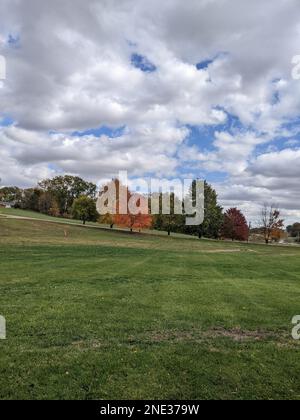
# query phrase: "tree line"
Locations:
[[73, 197], [54, 197]]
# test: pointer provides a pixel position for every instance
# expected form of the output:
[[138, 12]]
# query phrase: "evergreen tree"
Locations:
[[213, 214]]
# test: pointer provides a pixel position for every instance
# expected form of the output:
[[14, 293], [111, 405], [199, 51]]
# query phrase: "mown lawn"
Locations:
[[108, 315], [38, 216]]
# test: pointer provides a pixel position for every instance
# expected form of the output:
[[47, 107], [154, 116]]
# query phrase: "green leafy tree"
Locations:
[[30, 199], [213, 214], [84, 209], [48, 204], [107, 219], [213, 217], [169, 222], [66, 189], [294, 230], [10, 194]]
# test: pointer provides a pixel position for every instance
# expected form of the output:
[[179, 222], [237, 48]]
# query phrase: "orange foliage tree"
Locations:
[[137, 210], [133, 221], [278, 234], [270, 217]]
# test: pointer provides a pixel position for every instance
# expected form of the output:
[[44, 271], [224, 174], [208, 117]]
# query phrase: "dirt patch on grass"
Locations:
[[222, 251], [208, 338], [87, 345], [235, 334], [157, 337]]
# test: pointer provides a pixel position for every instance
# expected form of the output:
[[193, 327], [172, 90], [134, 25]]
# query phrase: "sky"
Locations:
[[197, 89]]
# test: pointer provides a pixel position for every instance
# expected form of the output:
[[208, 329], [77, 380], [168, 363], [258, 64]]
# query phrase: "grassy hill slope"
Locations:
[[93, 314]]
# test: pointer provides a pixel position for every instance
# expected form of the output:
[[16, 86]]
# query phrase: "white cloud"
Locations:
[[70, 69], [143, 150]]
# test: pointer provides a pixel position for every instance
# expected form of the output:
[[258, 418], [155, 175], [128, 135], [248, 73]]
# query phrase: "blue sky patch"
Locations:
[[6, 121], [204, 135], [203, 65], [101, 131], [141, 62]]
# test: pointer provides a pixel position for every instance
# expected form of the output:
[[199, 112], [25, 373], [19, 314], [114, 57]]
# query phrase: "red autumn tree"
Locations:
[[131, 221], [133, 212], [235, 226]]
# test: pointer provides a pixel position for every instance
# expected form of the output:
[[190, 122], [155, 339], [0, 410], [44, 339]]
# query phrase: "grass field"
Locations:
[[39, 216], [93, 314]]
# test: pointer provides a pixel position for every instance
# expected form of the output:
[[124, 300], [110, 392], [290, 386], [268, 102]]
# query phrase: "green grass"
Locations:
[[93, 314], [18, 213], [26, 213], [38, 216]]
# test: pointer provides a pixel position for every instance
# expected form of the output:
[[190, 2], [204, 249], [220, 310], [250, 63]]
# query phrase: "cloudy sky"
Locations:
[[172, 88]]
